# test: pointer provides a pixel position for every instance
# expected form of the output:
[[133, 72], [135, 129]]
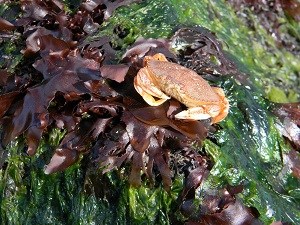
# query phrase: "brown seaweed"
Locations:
[[78, 86]]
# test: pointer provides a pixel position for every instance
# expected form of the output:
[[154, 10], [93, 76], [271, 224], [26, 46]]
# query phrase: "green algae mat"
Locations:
[[79, 146]]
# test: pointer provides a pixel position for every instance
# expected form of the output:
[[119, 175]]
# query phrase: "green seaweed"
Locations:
[[248, 150], [10, 51], [75, 196], [149, 19], [250, 147], [256, 50]]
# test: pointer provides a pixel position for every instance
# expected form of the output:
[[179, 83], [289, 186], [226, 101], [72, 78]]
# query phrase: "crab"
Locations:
[[159, 80]]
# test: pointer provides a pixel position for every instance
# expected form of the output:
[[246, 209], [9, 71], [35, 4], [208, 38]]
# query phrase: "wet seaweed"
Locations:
[[71, 89], [82, 88]]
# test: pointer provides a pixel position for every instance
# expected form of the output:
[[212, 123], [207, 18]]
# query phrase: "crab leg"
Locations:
[[225, 102], [148, 90], [196, 113]]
